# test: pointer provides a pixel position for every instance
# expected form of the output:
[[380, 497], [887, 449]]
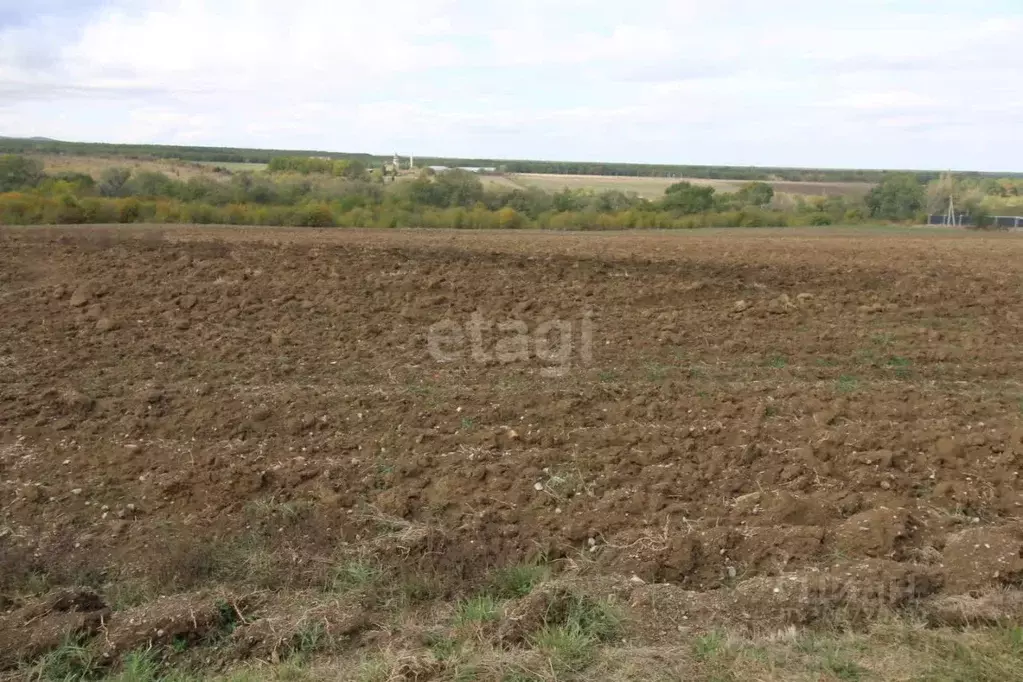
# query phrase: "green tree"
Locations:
[[300, 164], [151, 184], [78, 184], [755, 194], [202, 188], [529, 202], [113, 182], [900, 196], [456, 188], [687, 198], [19, 172], [613, 201], [423, 192], [980, 216], [353, 169], [568, 200], [976, 209], [82, 182]]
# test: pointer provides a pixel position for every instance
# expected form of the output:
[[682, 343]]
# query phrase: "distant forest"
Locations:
[[234, 155]]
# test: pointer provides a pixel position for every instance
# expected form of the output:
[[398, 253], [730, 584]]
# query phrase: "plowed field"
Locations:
[[228, 446]]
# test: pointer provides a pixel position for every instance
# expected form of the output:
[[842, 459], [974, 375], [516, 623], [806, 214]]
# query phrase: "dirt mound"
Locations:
[[44, 624], [979, 558], [302, 626], [880, 532], [183, 619], [528, 615], [1000, 608]]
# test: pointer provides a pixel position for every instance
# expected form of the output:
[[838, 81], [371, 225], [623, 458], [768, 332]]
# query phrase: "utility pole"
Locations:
[[951, 219]]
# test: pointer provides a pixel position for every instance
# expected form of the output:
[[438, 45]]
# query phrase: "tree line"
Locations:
[[322, 192], [242, 155]]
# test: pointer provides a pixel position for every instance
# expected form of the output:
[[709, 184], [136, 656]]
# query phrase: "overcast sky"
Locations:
[[870, 83]]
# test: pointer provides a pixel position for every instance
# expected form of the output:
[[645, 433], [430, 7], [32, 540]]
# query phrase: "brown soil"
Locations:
[[772, 426]]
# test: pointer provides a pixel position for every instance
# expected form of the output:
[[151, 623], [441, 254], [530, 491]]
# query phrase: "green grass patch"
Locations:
[[312, 638], [353, 575], [442, 647], [140, 666], [229, 616], [843, 668], [831, 656], [72, 661], [709, 646], [482, 608], [656, 372], [901, 366], [847, 384], [574, 629], [974, 656], [601, 619], [374, 669], [420, 389], [568, 647], [517, 581]]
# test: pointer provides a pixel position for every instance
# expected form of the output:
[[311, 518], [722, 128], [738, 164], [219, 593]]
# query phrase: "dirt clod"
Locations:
[[81, 296]]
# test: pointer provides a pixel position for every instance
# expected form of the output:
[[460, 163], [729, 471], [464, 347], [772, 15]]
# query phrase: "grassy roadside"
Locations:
[[890, 651]]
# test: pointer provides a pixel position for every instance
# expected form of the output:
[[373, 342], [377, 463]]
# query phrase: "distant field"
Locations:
[[650, 188], [654, 187], [95, 165], [234, 166]]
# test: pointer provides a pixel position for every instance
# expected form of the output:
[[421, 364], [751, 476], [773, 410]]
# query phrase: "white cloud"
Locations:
[[149, 123], [735, 81], [244, 46], [892, 100]]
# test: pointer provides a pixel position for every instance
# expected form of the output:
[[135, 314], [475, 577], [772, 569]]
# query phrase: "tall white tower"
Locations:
[[411, 163]]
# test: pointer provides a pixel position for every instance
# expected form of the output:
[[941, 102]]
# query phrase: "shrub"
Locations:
[[19, 172], [200, 214], [237, 214], [130, 211], [113, 182], [167, 212], [509, 219], [898, 197], [314, 215], [65, 211], [20, 209], [688, 198]]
